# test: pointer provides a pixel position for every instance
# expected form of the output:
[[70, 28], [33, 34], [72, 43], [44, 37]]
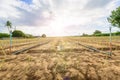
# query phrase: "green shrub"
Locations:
[[44, 35], [4, 35]]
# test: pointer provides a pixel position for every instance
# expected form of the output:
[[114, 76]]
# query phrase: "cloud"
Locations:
[[92, 4], [57, 17], [7, 10]]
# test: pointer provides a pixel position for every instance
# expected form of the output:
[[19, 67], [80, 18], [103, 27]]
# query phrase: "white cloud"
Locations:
[[57, 17], [7, 10]]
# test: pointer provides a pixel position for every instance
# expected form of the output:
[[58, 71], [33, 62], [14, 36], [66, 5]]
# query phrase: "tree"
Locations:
[[114, 18], [9, 25], [44, 35], [18, 33], [84, 34], [97, 32]]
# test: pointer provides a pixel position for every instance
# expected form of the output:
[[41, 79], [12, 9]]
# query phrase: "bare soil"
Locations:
[[71, 62]]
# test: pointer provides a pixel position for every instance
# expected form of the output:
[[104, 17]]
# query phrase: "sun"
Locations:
[[57, 26], [58, 30]]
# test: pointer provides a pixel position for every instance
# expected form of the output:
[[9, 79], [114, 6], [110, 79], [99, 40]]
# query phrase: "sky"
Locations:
[[57, 17]]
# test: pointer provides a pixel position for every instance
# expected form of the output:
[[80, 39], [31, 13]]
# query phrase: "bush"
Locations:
[[44, 35], [103, 34], [29, 36], [85, 34], [117, 33], [97, 32], [2, 35]]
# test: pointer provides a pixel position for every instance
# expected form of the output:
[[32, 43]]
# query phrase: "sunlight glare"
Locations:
[[57, 27]]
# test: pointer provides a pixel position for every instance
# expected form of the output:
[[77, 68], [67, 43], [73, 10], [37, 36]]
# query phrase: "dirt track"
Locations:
[[58, 60]]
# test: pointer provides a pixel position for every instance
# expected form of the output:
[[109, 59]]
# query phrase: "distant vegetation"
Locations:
[[16, 33], [84, 34], [44, 35], [19, 34], [29, 36], [99, 33], [4, 35], [107, 34]]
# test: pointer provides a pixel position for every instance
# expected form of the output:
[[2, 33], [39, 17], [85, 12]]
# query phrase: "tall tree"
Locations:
[[114, 18]]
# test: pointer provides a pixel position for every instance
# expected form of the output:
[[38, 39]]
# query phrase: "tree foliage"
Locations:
[[18, 33], [97, 32], [9, 25], [114, 18]]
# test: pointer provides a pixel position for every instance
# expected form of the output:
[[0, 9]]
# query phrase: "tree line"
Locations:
[[16, 33], [19, 34], [99, 33]]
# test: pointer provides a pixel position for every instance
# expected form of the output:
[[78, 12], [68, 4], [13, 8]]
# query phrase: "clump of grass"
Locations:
[[29, 58]]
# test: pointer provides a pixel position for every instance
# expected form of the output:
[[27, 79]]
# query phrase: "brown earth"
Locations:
[[71, 61]]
